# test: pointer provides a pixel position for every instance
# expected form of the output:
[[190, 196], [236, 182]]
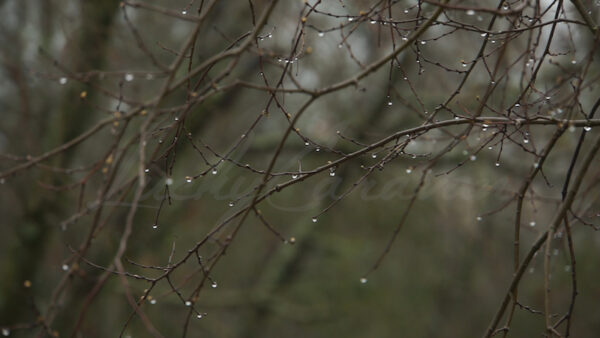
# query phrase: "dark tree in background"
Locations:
[[296, 168]]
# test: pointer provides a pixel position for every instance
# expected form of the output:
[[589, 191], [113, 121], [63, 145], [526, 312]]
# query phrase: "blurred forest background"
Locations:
[[132, 133]]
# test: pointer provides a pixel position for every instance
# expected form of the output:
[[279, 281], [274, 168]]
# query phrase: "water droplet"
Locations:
[[532, 223], [573, 61], [473, 157], [390, 103], [214, 171], [65, 267], [572, 128], [517, 105], [189, 179], [318, 149], [373, 22], [6, 332], [155, 226], [62, 80], [153, 301], [350, 19], [129, 77], [188, 303], [548, 97], [306, 144], [146, 170], [408, 170], [525, 140], [423, 42], [497, 164], [314, 220], [184, 12], [213, 285], [535, 164], [363, 280], [479, 218], [470, 12], [483, 34], [294, 176], [587, 128], [321, 34], [374, 155], [169, 181], [231, 204], [199, 316], [269, 35]]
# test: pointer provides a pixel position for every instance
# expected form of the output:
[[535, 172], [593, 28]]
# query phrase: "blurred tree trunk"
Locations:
[[36, 228], [282, 268]]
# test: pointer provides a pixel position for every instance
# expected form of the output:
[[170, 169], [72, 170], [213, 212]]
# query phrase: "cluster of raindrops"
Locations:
[[287, 60]]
